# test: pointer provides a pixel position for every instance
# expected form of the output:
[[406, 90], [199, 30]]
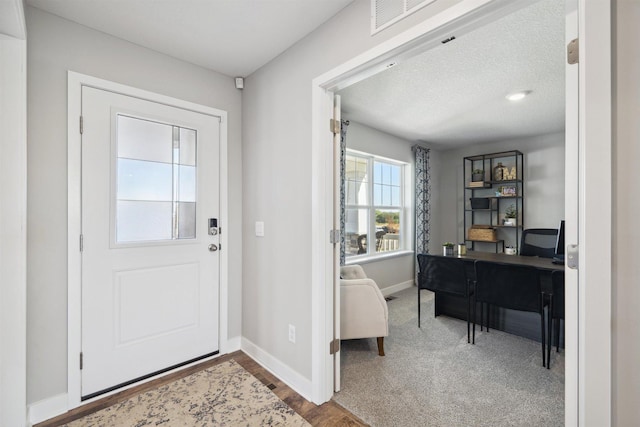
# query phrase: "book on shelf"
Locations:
[[474, 184]]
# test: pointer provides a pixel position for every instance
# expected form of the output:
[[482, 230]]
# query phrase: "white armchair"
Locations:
[[363, 309]]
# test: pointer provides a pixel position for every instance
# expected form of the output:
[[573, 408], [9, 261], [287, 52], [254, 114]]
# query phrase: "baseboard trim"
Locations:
[[287, 375], [397, 288], [233, 344], [48, 408]]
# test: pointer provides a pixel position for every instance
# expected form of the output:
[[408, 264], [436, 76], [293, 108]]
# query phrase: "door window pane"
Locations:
[[142, 180], [144, 140], [143, 221], [156, 181]]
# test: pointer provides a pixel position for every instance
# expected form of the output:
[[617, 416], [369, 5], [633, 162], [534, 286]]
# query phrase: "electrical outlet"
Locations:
[[292, 334]]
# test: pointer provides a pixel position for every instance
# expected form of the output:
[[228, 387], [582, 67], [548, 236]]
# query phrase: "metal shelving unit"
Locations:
[[493, 216]]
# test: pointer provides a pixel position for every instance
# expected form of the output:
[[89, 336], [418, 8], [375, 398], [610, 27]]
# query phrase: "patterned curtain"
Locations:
[[422, 200], [343, 163]]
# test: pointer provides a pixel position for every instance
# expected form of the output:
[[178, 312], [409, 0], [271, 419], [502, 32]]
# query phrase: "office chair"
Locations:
[[539, 242], [516, 287], [556, 310], [447, 275]]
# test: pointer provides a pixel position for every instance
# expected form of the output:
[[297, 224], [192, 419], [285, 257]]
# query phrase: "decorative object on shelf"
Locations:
[[462, 249], [499, 172], [510, 176], [510, 250], [480, 202], [510, 215], [485, 233], [447, 249], [477, 175], [507, 191], [479, 184]]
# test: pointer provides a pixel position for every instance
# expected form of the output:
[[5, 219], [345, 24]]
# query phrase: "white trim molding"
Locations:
[[293, 379], [48, 408], [389, 290], [75, 83]]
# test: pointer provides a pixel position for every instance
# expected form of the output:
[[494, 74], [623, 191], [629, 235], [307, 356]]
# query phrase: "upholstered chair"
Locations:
[[363, 309]]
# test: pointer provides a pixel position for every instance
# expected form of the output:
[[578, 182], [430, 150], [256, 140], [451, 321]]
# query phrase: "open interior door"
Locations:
[[335, 347]]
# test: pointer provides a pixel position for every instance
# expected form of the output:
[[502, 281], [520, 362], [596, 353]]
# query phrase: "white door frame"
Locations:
[[587, 395], [74, 158]]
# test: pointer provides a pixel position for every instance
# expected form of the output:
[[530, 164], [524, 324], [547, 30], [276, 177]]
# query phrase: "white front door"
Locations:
[[150, 264]]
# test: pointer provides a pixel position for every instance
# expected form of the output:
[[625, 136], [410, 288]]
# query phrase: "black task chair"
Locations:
[[443, 274], [515, 287], [556, 310], [539, 242]]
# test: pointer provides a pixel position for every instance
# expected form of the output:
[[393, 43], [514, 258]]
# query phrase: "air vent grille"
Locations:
[[386, 12]]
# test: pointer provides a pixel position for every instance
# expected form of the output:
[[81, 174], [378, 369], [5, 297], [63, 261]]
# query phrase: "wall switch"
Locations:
[[259, 229], [292, 334]]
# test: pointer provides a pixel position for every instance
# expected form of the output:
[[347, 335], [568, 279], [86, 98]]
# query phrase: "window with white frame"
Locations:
[[374, 205]]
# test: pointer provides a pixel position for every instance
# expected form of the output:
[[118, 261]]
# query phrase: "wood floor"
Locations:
[[327, 414]]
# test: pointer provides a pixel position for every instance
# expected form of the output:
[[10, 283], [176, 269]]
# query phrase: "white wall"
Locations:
[[626, 205], [55, 46], [277, 179], [400, 269], [544, 183]]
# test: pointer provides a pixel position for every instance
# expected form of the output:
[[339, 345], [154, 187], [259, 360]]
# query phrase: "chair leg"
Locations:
[[481, 316], [381, 346], [468, 318], [557, 324], [418, 307], [542, 329], [475, 303], [549, 321], [488, 316]]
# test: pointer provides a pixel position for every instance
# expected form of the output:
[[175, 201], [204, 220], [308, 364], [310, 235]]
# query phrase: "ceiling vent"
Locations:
[[387, 12]]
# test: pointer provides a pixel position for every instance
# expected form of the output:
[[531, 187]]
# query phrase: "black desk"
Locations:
[[515, 322]]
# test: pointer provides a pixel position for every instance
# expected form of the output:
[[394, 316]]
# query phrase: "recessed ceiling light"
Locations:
[[517, 96]]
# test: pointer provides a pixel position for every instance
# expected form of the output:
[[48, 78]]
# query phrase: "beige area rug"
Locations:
[[223, 395]]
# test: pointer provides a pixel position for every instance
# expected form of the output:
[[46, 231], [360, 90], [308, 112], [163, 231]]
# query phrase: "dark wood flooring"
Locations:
[[327, 414]]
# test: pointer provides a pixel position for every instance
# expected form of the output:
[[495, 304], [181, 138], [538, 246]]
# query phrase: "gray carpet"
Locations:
[[432, 377]]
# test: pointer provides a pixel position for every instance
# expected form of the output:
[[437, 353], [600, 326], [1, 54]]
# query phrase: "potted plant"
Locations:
[[477, 175], [447, 249], [510, 215]]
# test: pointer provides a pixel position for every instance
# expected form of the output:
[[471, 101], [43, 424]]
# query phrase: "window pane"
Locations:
[[187, 147], [356, 227], [395, 176], [377, 172], [144, 140], [186, 221], [387, 230], [141, 180], [186, 184], [395, 196], [142, 220], [377, 194], [386, 195]]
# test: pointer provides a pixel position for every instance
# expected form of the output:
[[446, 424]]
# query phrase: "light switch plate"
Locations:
[[259, 229]]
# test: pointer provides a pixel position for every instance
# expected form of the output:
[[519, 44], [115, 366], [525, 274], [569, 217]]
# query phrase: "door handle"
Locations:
[[213, 247]]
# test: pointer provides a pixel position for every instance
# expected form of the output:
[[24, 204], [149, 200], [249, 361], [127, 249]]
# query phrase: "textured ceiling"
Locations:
[[454, 95], [234, 37]]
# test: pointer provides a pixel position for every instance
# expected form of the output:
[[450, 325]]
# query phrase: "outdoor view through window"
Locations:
[[374, 205]]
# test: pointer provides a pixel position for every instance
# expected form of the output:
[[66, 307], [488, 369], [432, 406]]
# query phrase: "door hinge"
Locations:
[[334, 236], [81, 361], [334, 126], [81, 125], [573, 52], [81, 242], [220, 246], [334, 346], [573, 253]]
